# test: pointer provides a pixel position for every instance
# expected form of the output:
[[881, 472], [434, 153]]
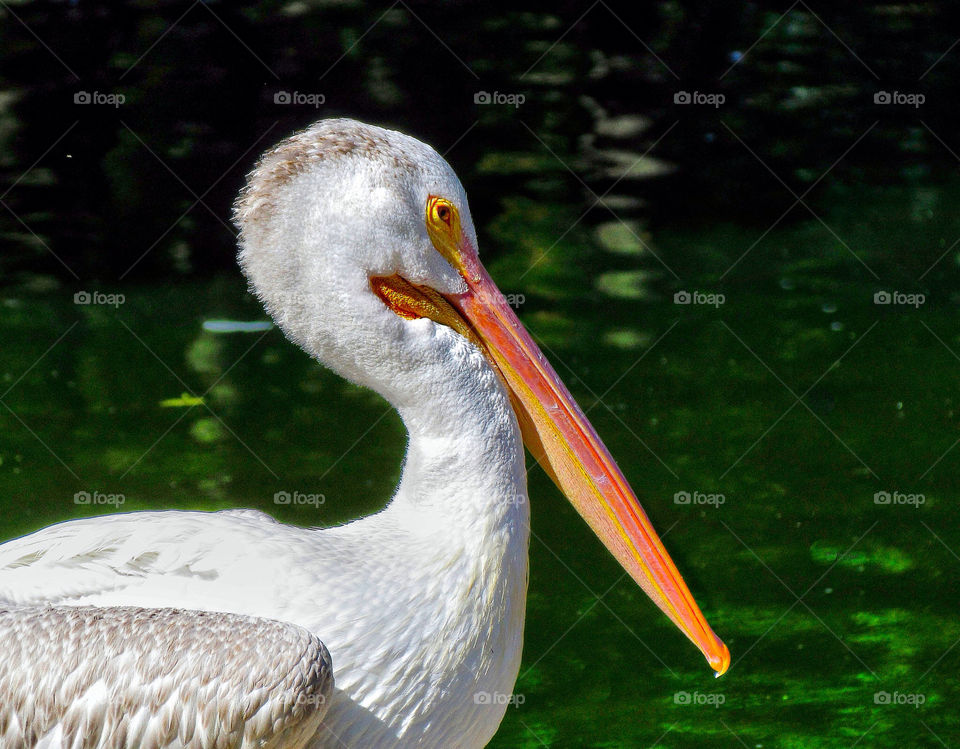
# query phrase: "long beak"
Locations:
[[557, 433]]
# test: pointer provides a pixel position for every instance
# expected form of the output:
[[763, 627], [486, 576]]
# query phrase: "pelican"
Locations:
[[403, 628]]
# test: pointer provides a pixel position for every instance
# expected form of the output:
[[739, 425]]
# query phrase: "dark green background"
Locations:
[[597, 199]]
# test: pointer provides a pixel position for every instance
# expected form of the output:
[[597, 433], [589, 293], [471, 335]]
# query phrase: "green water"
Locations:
[[693, 398]]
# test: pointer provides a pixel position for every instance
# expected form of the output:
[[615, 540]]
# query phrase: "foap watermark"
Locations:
[[311, 699], [294, 299], [898, 498], [498, 698], [498, 97], [98, 297], [299, 98], [899, 98], [99, 98], [713, 699], [899, 698], [98, 498], [709, 299], [699, 98], [698, 498], [298, 498], [513, 300], [514, 499], [899, 298]]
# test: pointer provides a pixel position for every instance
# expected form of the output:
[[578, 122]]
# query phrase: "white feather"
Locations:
[[421, 605]]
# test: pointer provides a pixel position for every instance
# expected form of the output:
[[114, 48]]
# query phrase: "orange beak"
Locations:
[[557, 433]]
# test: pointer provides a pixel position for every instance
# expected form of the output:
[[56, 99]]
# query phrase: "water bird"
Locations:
[[402, 628]]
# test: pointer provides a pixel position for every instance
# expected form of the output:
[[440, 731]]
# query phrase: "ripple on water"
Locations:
[[625, 284]]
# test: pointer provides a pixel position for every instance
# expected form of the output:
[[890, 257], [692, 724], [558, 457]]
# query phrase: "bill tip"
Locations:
[[720, 661]]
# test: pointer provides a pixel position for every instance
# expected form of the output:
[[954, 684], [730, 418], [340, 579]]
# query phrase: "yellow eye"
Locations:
[[443, 226], [441, 211]]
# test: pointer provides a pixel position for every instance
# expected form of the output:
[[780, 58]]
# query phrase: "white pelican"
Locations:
[[206, 628]]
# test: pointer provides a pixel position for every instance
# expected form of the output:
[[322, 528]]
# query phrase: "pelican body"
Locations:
[[359, 243]]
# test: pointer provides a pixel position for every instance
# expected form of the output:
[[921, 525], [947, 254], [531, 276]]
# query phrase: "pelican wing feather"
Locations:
[[118, 676], [106, 560]]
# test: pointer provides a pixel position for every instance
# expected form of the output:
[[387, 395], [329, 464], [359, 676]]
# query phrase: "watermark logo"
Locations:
[[698, 498], [699, 297], [498, 698], [98, 297], [497, 97], [898, 498], [299, 98], [899, 698], [305, 299], [98, 498], [298, 498], [899, 98], [699, 98], [514, 499], [99, 98], [899, 298], [513, 300], [311, 699], [713, 699]]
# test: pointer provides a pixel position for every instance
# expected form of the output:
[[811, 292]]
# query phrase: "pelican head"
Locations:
[[359, 242]]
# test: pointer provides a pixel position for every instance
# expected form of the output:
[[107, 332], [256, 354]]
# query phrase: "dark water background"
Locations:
[[799, 197]]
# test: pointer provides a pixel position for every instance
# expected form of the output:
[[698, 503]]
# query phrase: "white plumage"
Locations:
[[420, 605]]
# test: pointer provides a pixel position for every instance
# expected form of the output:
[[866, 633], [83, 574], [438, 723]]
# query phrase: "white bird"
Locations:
[[359, 242]]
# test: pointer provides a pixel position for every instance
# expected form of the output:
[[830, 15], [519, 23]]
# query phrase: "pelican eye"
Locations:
[[442, 215], [443, 227]]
